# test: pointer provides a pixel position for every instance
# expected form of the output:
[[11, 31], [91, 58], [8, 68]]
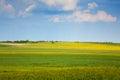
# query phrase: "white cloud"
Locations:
[[27, 11], [24, 14], [56, 19], [6, 9], [30, 8], [78, 16], [9, 8], [103, 16], [62, 4], [86, 11], [92, 5], [87, 16]]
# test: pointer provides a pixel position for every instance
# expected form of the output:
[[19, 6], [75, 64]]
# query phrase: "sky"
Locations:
[[61, 20]]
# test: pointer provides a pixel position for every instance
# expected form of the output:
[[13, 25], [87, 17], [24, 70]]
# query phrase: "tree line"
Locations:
[[27, 41], [41, 41]]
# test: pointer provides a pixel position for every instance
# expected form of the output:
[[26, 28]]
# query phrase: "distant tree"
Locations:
[[52, 42], [21, 41]]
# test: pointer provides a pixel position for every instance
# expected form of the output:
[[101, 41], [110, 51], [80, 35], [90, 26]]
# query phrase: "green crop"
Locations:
[[59, 61]]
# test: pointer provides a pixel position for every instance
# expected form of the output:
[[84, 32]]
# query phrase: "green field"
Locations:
[[59, 61]]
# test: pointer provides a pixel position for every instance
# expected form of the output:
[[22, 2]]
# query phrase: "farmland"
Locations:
[[59, 61]]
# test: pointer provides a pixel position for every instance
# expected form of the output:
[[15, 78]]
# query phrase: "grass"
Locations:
[[60, 61], [85, 73]]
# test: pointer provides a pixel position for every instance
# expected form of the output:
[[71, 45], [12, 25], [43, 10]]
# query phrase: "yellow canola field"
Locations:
[[73, 45]]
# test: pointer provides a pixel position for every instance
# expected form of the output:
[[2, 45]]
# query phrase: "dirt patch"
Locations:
[[13, 44]]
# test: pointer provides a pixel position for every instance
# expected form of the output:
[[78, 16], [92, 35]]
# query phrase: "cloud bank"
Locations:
[[62, 4], [76, 15], [87, 16]]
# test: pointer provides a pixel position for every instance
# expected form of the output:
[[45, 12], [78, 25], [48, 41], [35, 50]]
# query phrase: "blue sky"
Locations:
[[62, 20]]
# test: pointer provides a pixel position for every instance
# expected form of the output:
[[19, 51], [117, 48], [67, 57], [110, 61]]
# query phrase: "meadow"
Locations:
[[59, 61]]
